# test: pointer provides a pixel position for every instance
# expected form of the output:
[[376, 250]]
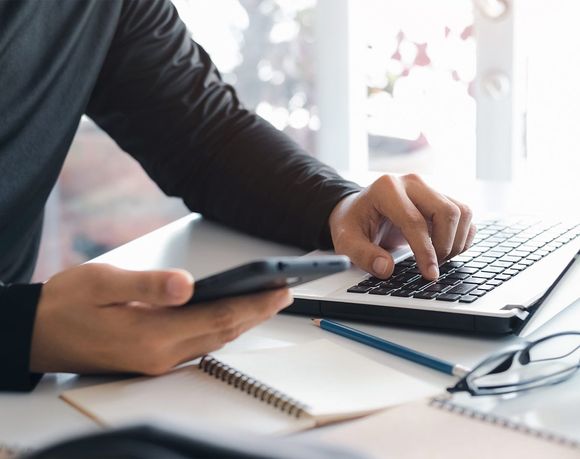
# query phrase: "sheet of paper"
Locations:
[[330, 379], [419, 431], [187, 397], [334, 382]]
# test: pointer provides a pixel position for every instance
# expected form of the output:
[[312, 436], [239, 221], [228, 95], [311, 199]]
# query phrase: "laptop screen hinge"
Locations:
[[522, 311]]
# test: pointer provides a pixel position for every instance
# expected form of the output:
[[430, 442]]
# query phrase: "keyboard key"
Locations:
[[502, 249], [380, 291], [518, 267], [502, 264], [447, 267], [519, 253], [407, 263], [503, 277], [399, 270], [494, 282], [475, 280], [358, 289], [495, 254], [370, 283], [476, 264], [425, 295], [437, 288], [511, 244], [448, 297], [467, 299], [511, 272], [478, 292], [402, 293], [462, 289], [418, 284], [487, 288], [390, 284], [375, 279], [466, 270], [406, 277], [484, 275], [459, 276], [510, 259], [493, 269], [461, 259], [447, 281], [484, 259], [533, 257]]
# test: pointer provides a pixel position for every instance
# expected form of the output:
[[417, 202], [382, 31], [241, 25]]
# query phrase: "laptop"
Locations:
[[494, 287]]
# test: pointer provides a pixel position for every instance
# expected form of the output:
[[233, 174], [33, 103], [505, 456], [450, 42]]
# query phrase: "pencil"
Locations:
[[392, 348]]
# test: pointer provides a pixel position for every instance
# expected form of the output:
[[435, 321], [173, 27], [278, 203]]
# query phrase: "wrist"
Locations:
[[338, 214]]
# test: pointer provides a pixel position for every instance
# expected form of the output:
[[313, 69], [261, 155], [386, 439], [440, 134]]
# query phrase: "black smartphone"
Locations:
[[267, 274]]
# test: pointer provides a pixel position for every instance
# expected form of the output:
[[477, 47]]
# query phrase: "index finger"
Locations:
[[391, 200], [215, 317]]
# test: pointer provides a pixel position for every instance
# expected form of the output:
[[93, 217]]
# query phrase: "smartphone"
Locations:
[[267, 274]]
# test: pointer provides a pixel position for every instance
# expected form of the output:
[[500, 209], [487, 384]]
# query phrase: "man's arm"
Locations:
[[161, 98], [17, 311]]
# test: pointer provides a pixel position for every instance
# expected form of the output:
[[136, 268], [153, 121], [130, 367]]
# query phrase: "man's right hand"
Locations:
[[96, 318]]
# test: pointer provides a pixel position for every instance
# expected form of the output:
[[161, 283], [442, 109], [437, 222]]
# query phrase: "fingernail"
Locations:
[[433, 271], [179, 284], [380, 265]]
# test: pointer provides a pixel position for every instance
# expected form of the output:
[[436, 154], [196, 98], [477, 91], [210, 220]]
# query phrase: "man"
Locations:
[[131, 66]]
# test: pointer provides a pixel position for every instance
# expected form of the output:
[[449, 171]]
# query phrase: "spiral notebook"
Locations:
[[551, 413], [277, 390]]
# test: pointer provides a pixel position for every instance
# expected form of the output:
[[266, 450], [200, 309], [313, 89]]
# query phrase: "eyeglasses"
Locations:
[[546, 361]]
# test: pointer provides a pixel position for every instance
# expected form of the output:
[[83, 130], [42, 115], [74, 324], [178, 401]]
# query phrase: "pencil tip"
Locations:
[[316, 322]]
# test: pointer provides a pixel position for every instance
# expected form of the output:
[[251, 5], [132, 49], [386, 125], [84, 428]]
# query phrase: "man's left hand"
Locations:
[[392, 211]]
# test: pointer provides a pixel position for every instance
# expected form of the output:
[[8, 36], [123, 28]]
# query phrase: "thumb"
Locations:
[[104, 284], [368, 256]]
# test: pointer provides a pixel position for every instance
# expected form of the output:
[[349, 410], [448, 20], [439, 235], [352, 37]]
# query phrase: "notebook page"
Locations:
[[547, 411], [186, 397], [333, 381], [418, 431]]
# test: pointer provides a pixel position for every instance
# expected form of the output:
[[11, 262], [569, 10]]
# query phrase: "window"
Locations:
[[438, 87], [419, 69], [264, 48]]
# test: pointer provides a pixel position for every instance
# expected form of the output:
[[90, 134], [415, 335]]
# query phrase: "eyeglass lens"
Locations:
[[545, 362]]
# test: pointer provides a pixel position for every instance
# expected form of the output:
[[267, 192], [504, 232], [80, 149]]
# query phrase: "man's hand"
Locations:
[[96, 318], [397, 209]]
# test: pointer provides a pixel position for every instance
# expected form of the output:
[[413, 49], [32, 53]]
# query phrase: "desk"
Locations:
[[202, 247]]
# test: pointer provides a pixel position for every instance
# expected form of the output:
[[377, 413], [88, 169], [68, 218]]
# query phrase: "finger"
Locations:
[[463, 228], [219, 316], [443, 214], [365, 254], [470, 236], [196, 347], [391, 200], [104, 284]]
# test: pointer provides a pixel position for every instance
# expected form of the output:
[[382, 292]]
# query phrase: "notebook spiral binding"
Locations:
[[446, 404], [251, 386]]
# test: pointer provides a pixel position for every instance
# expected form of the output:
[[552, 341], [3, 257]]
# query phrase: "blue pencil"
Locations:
[[392, 348]]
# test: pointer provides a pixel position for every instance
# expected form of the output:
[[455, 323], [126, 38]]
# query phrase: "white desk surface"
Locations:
[[38, 418]]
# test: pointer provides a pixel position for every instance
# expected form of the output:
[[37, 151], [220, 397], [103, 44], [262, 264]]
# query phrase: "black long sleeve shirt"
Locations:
[[131, 66]]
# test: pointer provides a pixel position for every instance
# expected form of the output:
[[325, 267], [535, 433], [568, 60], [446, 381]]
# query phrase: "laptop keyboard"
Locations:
[[500, 251]]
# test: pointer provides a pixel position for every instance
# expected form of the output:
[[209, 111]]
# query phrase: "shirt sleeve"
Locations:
[[17, 313], [163, 101]]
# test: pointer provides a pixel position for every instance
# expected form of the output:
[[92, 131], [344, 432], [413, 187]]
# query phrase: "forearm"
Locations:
[[162, 99], [261, 182], [17, 313]]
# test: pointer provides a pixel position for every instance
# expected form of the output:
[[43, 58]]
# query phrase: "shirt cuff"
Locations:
[[18, 304]]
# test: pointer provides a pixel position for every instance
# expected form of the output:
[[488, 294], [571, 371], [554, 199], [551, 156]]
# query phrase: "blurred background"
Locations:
[[485, 88]]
